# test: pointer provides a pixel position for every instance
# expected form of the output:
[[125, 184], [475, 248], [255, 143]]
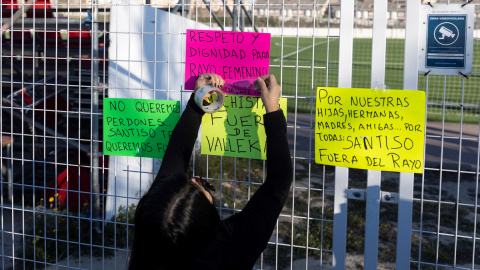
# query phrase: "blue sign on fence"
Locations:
[[446, 41]]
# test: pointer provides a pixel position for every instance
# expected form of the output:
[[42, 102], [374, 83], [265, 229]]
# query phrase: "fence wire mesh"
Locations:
[[65, 205]]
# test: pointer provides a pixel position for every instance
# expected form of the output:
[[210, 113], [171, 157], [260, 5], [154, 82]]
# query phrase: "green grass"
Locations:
[[317, 61]]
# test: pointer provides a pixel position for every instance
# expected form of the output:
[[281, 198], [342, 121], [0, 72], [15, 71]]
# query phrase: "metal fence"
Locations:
[[65, 205]]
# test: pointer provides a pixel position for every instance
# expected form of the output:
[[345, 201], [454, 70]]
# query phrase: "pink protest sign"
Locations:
[[236, 56]]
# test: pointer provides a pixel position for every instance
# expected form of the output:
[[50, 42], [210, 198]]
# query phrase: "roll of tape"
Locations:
[[212, 106]]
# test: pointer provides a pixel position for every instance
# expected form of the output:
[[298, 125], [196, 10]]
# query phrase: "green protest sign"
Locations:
[[138, 127]]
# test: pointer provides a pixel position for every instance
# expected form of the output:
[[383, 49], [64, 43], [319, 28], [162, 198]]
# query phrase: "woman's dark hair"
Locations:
[[173, 221]]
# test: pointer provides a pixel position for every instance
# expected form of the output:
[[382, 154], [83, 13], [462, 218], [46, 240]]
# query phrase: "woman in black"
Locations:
[[176, 224]]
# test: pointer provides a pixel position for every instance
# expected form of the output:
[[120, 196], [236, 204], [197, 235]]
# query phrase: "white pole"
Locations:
[[379, 46], [410, 82], [341, 174]]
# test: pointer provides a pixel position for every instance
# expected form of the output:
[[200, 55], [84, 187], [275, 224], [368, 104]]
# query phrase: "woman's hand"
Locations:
[[209, 78], [270, 91]]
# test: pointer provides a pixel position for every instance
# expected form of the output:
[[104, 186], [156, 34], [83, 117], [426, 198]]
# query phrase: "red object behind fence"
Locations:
[[76, 184], [51, 109], [41, 9], [80, 38], [9, 4]]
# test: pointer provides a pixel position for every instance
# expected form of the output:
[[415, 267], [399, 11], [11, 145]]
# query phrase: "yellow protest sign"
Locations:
[[370, 129], [237, 130]]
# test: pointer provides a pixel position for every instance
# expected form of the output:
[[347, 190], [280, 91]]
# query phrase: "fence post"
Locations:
[[345, 58], [379, 44], [95, 129], [235, 15], [410, 82]]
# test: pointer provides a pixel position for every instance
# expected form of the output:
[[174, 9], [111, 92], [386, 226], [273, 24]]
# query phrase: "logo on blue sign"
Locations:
[[446, 33]]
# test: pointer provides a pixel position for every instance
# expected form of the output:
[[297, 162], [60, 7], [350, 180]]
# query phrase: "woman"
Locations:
[[176, 224]]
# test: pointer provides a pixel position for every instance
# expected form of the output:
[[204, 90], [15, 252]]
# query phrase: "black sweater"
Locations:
[[243, 236]]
